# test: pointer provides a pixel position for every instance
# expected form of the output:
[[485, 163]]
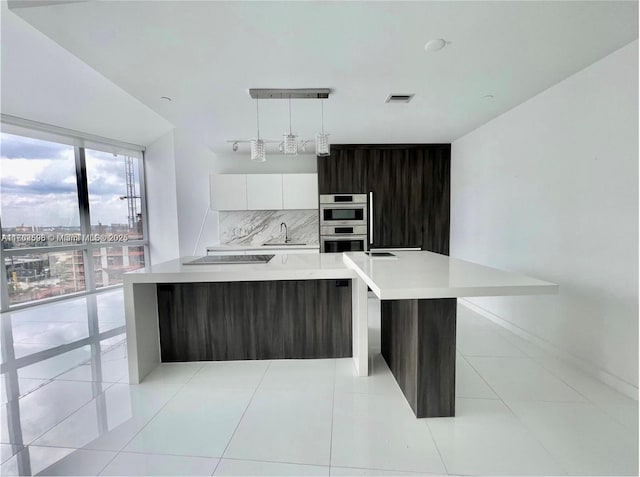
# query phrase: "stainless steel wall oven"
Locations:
[[343, 223]]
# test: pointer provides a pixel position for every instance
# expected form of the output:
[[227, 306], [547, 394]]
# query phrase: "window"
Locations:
[[114, 194], [39, 194], [72, 216], [39, 275]]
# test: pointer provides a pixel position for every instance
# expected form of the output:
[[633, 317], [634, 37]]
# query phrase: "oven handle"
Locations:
[[371, 217]]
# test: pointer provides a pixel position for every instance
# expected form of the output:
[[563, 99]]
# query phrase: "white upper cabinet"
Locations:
[[264, 191], [300, 191], [228, 191]]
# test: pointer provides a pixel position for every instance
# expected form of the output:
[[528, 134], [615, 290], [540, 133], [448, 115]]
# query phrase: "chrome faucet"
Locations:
[[286, 233]]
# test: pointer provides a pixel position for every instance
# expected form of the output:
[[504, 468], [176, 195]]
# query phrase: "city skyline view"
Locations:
[[38, 184], [40, 212]]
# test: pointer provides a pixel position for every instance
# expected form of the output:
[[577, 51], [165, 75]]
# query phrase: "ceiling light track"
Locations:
[[290, 143], [302, 144], [293, 93]]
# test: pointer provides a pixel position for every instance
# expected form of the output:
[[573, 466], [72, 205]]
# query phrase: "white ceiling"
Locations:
[[207, 54], [43, 82]]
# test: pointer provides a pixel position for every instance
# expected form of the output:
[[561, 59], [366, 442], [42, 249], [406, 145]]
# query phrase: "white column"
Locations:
[[360, 331], [143, 333]]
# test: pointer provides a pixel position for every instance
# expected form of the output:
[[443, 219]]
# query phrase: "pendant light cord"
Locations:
[[290, 133], [258, 117], [322, 114]]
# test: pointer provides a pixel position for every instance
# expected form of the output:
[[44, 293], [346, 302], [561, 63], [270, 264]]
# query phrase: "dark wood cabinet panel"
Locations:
[[395, 179], [436, 200], [342, 172], [317, 325], [410, 185], [255, 320], [419, 345]]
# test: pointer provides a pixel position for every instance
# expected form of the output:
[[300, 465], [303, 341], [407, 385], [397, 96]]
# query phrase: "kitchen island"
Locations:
[[418, 291], [294, 306], [174, 311]]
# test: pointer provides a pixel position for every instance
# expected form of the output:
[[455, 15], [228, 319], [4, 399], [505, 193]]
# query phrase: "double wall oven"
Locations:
[[343, 223]]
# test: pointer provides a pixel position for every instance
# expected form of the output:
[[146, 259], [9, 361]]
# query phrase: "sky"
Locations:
[[38, 184]]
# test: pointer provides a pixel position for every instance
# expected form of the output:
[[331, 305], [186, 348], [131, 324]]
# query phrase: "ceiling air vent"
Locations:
[[399, 98]]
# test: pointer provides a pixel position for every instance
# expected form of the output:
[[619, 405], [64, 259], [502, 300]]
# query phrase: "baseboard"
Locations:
[[584, 365]]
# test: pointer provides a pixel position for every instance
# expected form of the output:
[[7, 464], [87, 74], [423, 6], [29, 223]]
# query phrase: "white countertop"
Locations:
[[230, 247], [293, 266], [407, 275], [411, 275]]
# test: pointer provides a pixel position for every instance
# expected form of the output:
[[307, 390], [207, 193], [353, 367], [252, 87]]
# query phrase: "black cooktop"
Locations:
[[231, 259]]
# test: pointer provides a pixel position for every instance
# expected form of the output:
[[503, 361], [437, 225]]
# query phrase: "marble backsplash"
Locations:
[[254, 227]]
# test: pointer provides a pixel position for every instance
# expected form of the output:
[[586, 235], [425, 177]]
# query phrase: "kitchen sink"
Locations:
[[281, 244]]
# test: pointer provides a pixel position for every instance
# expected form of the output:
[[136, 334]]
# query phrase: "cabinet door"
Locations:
[[343, 172], [436, 199], [395, 187], [228, 191], [300, 191], [264, 191]]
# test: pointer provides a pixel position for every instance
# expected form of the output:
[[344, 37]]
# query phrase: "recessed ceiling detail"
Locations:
[[399, 98], [435, 45]]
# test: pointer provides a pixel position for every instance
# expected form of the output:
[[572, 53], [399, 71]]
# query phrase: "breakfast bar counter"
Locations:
[[418, 291]]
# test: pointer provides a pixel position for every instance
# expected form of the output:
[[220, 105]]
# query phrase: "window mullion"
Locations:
[[85, 217], [4, 284], [143, 206]]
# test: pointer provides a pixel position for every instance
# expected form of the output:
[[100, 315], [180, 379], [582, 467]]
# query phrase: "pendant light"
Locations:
[[257, 145], [290, 140], [322, 139]]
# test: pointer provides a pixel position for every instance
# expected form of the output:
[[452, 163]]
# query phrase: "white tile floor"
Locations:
[[519, 410]]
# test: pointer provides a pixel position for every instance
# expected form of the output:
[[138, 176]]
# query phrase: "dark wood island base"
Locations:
[[419, 345], [284, 319]]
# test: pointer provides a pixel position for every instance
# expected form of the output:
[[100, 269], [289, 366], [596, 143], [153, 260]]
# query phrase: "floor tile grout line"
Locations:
[[333, 401], [242, 416], [57, 377], [534, 361], [67, 416], [275, 462], [180, 387], [47, 381], [433, 438], [505, 333], [590, 401], [400, 472], [530, 432]]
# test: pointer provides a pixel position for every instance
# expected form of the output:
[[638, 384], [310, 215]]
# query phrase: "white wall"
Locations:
[[42, 81], [194, 163], [550, 189], [162, 209]]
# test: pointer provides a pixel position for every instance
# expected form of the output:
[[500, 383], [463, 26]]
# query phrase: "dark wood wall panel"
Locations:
[[410, 185], [436, 200], [342, 172], [418, 344], [395, 176], [255, 320]]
